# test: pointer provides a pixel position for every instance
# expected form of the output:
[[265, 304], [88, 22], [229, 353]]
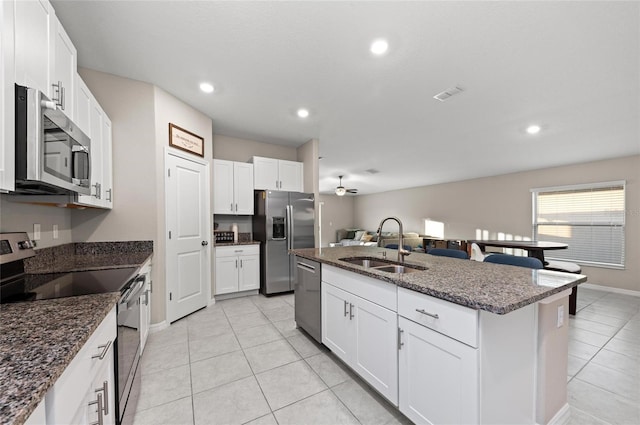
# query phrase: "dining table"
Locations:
[[534, 249]]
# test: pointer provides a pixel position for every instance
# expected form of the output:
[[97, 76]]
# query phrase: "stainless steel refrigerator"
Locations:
[[281, 221]]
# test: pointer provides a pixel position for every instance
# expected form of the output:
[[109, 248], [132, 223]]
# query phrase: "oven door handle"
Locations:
[[134, 291]]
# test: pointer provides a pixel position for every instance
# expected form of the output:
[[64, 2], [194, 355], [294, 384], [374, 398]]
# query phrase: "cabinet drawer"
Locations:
[[374, 290], [236, 250], [453, 320], [102, 340]]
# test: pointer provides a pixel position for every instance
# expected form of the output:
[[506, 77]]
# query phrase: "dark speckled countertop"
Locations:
[[495, 288], [39, 339]]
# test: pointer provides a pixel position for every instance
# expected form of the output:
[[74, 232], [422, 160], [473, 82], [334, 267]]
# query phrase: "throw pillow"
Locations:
[[358, 235], [350, 234], [366, 238]]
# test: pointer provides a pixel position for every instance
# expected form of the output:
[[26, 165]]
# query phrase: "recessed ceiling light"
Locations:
[[379, 46], [533, 129], [206, 87], [303, 113]]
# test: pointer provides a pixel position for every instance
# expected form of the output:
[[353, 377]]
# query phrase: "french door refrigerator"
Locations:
[[281, 221]]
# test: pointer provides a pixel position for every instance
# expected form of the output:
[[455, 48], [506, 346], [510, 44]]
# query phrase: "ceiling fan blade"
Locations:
[[352, 190]]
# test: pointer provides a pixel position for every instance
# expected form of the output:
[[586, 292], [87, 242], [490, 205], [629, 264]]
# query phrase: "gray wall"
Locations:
[[20, 217], [243, 150], [503, 204], [337, 213]]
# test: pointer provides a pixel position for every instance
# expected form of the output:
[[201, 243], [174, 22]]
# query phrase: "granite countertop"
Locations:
[[495, 288], [236, 243], [38, 341]]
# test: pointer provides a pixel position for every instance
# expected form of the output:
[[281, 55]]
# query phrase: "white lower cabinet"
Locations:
[[438, 377], [237, 268], [85, 392], [363, 334], [145, 307]]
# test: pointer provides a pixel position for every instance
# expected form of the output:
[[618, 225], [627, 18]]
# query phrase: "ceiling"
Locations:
[[571, 67]]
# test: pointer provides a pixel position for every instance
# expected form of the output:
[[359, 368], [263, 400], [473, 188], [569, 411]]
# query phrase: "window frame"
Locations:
[[577, 188]]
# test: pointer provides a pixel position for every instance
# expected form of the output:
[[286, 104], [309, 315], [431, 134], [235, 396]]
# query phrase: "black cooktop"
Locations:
[[32, 287]]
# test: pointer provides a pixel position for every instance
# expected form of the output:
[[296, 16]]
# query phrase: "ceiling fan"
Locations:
[[341, 191]]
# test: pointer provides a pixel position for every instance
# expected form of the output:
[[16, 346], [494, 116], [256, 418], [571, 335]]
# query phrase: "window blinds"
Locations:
[[589, 218]]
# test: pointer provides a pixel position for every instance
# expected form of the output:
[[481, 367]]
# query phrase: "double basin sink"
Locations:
[[382, 265]]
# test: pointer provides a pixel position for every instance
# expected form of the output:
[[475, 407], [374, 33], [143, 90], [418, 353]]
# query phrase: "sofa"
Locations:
[[361, 237]]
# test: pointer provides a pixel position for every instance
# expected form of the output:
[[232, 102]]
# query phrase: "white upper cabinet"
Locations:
[[107, 163], [34, 44], [278, 174], [46, 59], [83, 106], [64, 70], [96, 122], [7, 98], [232, 187]]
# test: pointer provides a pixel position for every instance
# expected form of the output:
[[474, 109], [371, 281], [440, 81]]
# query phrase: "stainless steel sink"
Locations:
[[366, 261], [383, 265], [396, 268]]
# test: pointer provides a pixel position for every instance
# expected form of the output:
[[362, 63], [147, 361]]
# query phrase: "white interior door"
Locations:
[[188, 235]]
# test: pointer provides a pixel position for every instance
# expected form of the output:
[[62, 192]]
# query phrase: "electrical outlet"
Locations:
[[36, 232], [560, 316], [55, 231]]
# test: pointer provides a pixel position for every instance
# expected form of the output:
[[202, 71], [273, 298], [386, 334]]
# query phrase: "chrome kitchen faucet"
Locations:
[[401, 251]]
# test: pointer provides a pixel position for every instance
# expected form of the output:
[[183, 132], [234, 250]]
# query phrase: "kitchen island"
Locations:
[[457, 342]]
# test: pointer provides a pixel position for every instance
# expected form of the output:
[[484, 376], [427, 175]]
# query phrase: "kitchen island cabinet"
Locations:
[[468, 334]]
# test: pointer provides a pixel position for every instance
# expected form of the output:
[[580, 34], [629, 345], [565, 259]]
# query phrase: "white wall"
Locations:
[[20, 217], [308, 155], [503, 204], [243, 150], [337, 213]]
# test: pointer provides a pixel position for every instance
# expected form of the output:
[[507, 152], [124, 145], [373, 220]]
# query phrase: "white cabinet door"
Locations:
[[101, 397], [438, 377], [291, 176], [107, 163], [97, 122], [222, 187], [265, 173], [64, 70], [337, 324], [7, 97], [34, 34], [83, 106], [243, 188], [375, 357], [249, 272], [226, 275]]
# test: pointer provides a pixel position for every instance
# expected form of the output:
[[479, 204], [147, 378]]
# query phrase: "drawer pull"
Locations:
[[99, 410], [426, 313], [105, 348], [345, 308], [400, 343], [105, 391], [350, 311]]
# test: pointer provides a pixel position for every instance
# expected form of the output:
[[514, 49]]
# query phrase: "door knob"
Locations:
[[205, 243]]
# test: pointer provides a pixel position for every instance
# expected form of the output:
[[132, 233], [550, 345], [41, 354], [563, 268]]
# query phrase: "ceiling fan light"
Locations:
[[341, 191]]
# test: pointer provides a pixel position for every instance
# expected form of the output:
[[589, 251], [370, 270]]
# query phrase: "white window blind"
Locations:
[[589, 218]]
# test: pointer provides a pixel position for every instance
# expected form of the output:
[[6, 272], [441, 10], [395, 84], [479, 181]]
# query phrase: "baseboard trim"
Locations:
[[562, 417], [609, 289], [156, 327]]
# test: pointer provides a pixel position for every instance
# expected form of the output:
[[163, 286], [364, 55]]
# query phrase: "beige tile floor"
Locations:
[[242, 361]]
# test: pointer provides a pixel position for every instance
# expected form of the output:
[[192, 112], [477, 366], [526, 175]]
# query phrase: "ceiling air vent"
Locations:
[[442, 96], [372, 171]]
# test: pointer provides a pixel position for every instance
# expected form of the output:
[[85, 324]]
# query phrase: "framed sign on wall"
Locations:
[[185, 140]]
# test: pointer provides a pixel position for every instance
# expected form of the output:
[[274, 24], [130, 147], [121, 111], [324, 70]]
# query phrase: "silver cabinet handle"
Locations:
[[236, 207], [109, 197], [241, 263], [276, 184], [105, 348], [426, 313], [350, 311], [345, 308], [100, 409], [62, 96], [105, 391], [236, 264], [231, 207], [400, 343]]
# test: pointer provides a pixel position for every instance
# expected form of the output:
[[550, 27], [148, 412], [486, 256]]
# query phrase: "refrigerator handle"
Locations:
[[289, 227]]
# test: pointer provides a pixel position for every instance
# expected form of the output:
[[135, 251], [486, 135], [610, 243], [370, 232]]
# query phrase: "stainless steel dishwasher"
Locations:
[[307, 297]]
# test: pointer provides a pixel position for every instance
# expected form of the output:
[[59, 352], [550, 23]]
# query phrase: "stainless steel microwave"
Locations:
[[53, 156]]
